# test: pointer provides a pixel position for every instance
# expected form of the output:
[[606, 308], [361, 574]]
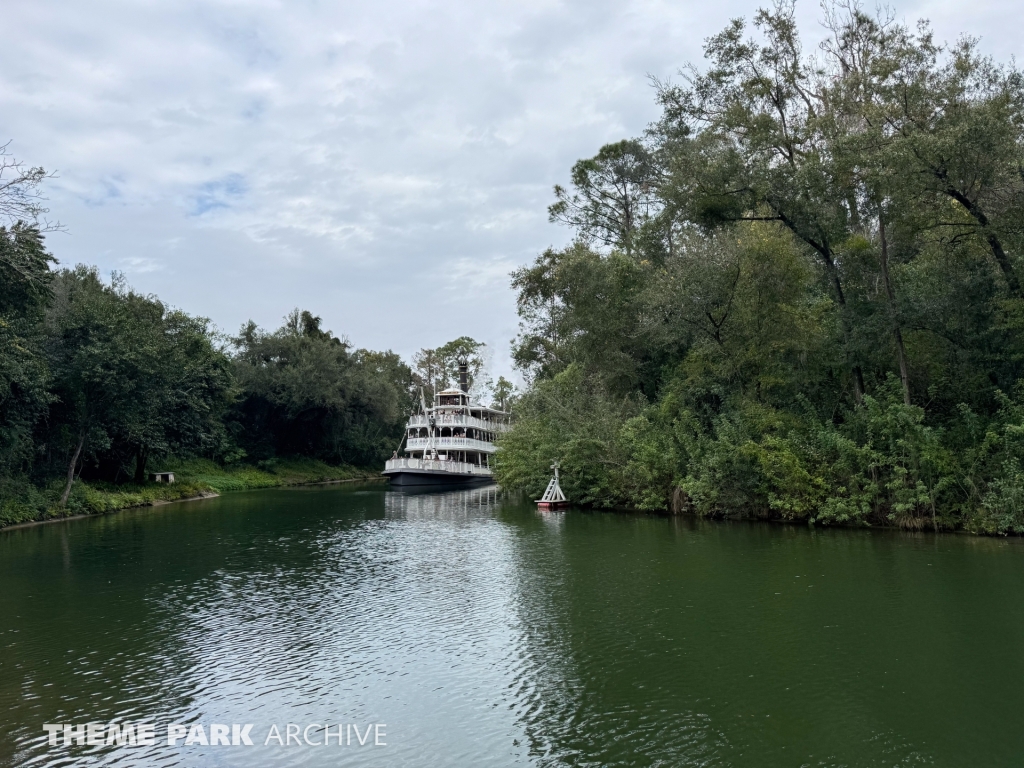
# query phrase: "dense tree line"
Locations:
[[797, 295], [305, 392], [100, 382]]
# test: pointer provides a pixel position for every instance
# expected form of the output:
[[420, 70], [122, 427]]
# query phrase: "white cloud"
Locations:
[[141, 265], [382, 164]]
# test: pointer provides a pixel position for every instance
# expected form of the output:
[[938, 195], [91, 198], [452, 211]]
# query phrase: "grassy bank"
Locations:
[[23, 502], [267, 474]]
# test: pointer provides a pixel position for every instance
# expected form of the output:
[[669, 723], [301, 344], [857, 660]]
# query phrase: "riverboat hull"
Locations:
[[426, 477]]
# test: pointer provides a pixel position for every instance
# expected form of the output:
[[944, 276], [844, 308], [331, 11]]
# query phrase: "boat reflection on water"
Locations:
[[432, 502]]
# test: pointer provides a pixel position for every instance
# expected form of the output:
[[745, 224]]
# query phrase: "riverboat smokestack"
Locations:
[[464, 375]]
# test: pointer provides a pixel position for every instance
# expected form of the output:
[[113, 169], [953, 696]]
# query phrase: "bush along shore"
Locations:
[[23, 502], [797, 295]]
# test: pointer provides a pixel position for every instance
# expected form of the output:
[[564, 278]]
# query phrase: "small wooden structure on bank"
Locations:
[[161, 477], [553, 497]]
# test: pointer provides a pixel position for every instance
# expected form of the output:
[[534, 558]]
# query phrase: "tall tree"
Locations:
[[613, 195], [749, 140], [130, 379], [437, 369], [953, 122], [504, 394], [24, 290], [25, 279]]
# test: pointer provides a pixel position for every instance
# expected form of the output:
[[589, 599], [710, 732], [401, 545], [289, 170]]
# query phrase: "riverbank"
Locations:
[[22, 502]]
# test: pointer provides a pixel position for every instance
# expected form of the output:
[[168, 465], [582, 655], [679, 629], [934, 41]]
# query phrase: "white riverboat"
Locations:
[[450, 442]]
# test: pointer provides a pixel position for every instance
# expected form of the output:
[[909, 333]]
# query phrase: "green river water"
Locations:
[[478, 632]]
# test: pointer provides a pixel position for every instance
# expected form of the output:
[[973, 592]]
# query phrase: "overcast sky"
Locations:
[[383, 164]]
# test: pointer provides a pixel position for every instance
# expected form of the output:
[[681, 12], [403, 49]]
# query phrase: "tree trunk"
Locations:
[[994, 243], [71, 468], [858, 374], [140, 464], [858, 385], [825, 251], [1004, 264], [901, 352]]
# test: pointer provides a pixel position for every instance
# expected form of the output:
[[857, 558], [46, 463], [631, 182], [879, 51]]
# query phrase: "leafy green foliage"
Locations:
[[305, 392], [571, 418], [796, 297], [437, 369], [24, 289], [130, 379], [98, 382]]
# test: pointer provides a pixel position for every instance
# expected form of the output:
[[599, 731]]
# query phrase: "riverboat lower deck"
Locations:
[[408, 471]]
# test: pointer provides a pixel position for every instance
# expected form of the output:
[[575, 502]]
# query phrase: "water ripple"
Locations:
[[483, 633]]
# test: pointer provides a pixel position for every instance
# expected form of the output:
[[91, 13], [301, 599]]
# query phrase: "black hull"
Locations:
[[426, 478]]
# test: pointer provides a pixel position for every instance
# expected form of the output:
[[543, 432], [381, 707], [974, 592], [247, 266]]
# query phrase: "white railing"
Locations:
[[419, 420], [463, 443], [458, 467]]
